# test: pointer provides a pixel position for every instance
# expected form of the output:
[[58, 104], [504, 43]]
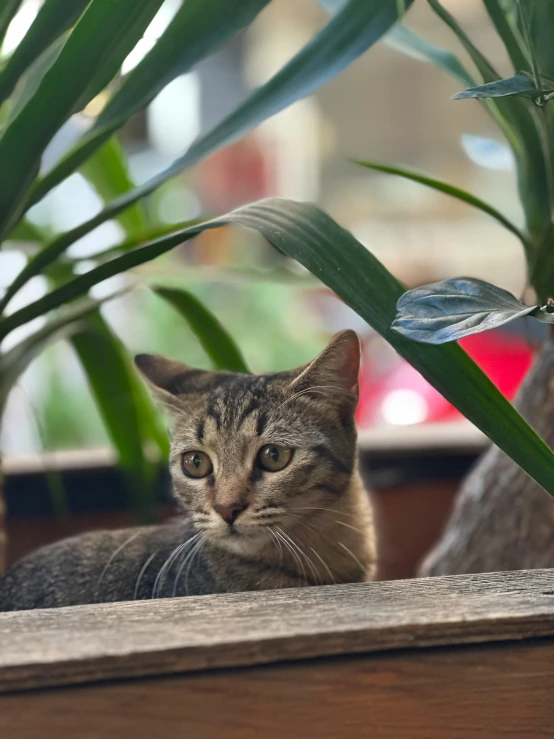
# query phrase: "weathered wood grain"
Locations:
[[102, 642], [472, 692]]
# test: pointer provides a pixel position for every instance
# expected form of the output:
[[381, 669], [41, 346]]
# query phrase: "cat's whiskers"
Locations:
[[324, 563], [320, 508], [164, 568], [112, 557], [288, 547], [158, 582], [183, 563], [361, 566], [141, 573], [301, 551], [277, 542], [303, 554], [196, 550], [348, 526], [332, 543]]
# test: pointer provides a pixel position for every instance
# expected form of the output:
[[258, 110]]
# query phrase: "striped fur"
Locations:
[[309, 523]]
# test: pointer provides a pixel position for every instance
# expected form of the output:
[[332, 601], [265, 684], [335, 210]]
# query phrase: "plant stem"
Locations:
[[542, 270], [549, 163]]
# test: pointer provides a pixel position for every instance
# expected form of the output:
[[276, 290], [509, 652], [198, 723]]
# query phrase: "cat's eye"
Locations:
[[274, 457], [196, 464]]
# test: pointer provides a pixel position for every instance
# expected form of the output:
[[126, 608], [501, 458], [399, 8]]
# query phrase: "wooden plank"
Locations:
[[102, 642], [478, 692]]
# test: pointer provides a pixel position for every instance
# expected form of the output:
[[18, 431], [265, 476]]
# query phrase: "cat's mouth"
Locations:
[[240, 539], [240, 532]]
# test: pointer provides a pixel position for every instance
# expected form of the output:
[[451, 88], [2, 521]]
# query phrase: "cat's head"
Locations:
[[252, 452]]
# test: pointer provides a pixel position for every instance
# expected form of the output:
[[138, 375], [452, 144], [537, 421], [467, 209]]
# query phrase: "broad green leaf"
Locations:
[[90, 58], [123, 401], [451, 309], [509, 33], [16, 361], [408, 42], [196, 31], [107, 172], [7, 11], [455, 192], [32, 78], [518, 85], [305, 233], [347, 35], [217, 342], [52, 20], [328, 251]]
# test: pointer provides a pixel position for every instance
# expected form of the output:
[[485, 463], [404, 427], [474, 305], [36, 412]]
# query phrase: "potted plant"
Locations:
[[498, 506], [68, 59]]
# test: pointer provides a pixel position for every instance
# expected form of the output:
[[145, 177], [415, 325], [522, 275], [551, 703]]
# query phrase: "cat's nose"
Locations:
[[229, 513]]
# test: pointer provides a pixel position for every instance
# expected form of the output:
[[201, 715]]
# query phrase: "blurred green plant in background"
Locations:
[[67, 61], [64, 62]]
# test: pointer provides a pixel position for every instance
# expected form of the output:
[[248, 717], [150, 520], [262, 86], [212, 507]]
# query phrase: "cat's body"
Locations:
[[265, 469], [128, 564]]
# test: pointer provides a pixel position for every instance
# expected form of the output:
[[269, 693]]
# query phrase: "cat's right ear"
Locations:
[[168, 378]]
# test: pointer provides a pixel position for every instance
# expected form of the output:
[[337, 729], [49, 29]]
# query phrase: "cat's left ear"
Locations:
[[338, 365], [168, 378]]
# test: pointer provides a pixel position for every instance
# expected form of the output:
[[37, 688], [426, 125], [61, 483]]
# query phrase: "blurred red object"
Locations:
[[238, 174], [392, 393]]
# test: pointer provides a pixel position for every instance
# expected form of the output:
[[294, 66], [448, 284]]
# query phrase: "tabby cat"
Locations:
[[264, 470]]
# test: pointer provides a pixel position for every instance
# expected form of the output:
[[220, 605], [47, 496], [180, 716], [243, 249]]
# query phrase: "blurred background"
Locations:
[[386, 107]]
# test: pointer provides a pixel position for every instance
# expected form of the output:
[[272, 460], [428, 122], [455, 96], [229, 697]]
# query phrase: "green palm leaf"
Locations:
[[347, 35], [217, 342], [308, 235], [90, 58]]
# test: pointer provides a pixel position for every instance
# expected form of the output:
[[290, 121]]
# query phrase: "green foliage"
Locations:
[[67, 59], [407, 41], [451, 309], [447, 189], [124, 404], [218, 344], [53, 19], [523, 108]]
